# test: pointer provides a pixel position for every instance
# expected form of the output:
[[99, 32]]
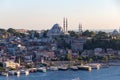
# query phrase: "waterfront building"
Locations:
[[11, 64]]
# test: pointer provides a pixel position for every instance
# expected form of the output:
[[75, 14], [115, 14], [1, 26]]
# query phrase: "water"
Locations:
[[111, 73]]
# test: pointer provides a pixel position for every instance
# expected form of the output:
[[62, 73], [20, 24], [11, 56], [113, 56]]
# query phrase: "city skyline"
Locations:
[[43, 14]]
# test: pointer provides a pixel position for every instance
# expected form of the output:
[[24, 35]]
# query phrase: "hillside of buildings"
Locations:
[[56, 44]]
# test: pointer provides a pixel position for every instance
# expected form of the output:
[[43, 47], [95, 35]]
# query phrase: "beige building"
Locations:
[[11, 64]]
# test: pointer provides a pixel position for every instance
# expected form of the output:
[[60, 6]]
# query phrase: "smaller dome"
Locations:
[[115, 32]]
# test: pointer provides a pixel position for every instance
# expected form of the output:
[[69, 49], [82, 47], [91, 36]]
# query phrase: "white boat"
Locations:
[[53, 68], [42, 69], [74, 68], [4, 74], [94, 65], [22, 71], [63, 68], [88, 68], [13, 72]]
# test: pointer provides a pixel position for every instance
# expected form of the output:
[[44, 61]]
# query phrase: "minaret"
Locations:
[[119, 29], [80, 29], [66, 25]]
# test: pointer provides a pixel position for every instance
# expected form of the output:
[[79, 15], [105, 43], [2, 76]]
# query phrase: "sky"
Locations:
[[43, 14]]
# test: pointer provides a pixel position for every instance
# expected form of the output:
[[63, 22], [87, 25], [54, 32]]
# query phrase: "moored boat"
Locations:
[[74, 68], [41, 69], [32, 70], [94, 65], [4, 74], [22, 71], [53, 68], [62, 68], [13, 72], [88, 68]]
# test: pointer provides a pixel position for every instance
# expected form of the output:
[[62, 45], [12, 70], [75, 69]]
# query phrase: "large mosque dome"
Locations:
[[56, 30]]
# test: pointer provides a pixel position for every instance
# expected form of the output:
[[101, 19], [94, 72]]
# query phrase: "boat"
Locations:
[[41, 69], [32, 70], [74, 68], [22, 71], [13, 72], [53, 68], [94, 65], [88, 68], [4, 74], [62, 68]]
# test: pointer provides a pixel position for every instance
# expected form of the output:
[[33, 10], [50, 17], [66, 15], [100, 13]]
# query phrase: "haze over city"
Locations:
[[42, 14]]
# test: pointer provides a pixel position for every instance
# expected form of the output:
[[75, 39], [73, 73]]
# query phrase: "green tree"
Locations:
[[101, 35], [73, 33], [11, 30], [88, 33], [45, 33]]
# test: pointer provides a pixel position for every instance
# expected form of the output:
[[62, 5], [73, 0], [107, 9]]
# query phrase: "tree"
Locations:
[[101, 35], [11, 30], [73, 33], [88, 33], [45, 33], [2, 30]]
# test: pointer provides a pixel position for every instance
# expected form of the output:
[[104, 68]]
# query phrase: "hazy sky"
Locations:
[[42, 14]]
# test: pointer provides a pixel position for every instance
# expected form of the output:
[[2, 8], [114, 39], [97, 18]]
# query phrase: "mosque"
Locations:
[[57, 30]]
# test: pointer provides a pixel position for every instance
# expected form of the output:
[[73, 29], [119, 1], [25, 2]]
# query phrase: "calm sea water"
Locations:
[[111, 73]]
